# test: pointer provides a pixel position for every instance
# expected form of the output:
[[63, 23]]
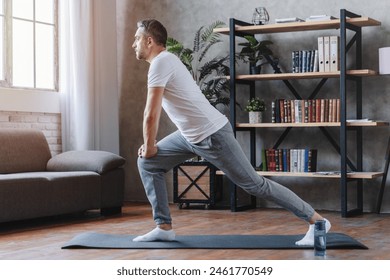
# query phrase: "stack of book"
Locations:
[[304, 61], [305, 111], [289, 160], [319, 18], [287, 20]]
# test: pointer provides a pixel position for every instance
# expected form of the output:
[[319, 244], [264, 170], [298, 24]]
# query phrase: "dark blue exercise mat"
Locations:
[[93, 240]]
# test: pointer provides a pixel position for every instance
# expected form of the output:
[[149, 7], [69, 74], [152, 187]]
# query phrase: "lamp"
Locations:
[[384, 61]]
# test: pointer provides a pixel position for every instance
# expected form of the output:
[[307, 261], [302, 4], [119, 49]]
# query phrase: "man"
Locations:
[[202, 130]]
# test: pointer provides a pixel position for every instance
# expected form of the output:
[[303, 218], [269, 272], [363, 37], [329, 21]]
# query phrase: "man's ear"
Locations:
[[149, 41]]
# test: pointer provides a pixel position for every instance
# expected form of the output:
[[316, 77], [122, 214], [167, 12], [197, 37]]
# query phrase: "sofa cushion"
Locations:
[[40, 194], [23, 150], [97, 161]]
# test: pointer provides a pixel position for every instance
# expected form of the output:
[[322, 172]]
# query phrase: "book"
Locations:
[[286, 20], [303, 111], [271, 160], [330, 117], [359, 120], [294, 160], [312, 66], [285, 160], [297, 111], [263, 160], [304, 61], [306, 111], [292, 112], [334, 53], [318, 110], [309, 111], [294, 62], [313, 110], [326, 54], [310, 160], [277, 162], [281, 108], [273, 112], [288, 111], [333, 111], [300, 64], [278, 112], [326, 110], [319, 18], [315, 61], [321, 67]]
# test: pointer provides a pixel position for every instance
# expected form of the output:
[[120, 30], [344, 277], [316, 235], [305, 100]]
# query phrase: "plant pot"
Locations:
[[255, 117], [255, 69]]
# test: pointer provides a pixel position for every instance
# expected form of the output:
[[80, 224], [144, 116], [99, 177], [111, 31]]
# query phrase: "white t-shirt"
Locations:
[[183, 100]]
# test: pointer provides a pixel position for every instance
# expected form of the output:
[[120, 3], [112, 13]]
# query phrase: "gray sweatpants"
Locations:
[[224, 152]]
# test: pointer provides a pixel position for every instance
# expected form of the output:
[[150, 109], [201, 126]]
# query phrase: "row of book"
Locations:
[[304, 61], [324, 59], [305, 111], [289, 160], [328, 53]]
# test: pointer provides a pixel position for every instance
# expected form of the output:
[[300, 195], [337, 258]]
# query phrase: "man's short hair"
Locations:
[[154, 29]]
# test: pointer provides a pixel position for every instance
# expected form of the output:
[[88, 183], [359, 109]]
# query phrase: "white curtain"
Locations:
[[88, 75]]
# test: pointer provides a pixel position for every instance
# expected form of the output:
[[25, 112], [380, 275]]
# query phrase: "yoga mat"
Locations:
[[93, 240]]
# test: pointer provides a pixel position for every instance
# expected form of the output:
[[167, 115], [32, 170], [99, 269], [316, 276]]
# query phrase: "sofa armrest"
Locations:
[[97, 161]]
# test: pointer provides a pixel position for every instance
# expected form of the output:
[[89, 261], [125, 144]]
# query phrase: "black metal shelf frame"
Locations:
[[341, 144]]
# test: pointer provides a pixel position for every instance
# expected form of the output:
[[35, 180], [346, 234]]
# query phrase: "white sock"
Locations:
[[308, 239], [156, 234]]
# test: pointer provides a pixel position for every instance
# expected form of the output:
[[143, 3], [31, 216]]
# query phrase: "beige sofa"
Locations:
[[34, 184]]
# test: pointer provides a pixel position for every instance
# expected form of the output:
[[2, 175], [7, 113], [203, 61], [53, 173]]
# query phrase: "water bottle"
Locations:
[[319, 238]]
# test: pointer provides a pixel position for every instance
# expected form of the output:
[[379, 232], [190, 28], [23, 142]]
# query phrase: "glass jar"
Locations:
[[260, 16]]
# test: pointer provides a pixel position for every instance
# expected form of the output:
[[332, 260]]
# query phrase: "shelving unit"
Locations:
[[349, 171]]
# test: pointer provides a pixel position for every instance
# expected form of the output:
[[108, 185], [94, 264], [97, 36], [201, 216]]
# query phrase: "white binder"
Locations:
[[334, 53], [326, 53], [321, 66]]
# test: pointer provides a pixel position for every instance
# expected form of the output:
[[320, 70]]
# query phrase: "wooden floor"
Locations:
[[42, 239]]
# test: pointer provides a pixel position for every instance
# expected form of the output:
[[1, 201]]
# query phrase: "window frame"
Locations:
[[7, 48]]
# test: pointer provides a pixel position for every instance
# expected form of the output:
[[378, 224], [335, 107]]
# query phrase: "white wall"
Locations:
[[29, 101]]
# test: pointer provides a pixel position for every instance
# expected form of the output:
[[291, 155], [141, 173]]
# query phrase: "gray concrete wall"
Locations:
[[183, 17]]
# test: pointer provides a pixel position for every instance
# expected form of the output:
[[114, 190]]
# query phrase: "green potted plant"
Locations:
[[209, 74], [253, 52], [255, 108]]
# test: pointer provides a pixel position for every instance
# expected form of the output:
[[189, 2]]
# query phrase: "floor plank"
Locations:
[[42, 239]]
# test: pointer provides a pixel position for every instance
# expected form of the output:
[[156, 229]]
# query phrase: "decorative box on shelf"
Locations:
[[195, 182]]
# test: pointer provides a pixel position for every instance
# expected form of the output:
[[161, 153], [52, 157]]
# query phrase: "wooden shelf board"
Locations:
[[313, 124], [308, 75], [351, 175], [299, 26]]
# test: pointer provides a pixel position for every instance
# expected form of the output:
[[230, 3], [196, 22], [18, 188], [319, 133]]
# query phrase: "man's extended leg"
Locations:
[[223, 150]]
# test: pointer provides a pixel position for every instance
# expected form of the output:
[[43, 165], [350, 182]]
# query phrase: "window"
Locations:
[[29, 53]]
